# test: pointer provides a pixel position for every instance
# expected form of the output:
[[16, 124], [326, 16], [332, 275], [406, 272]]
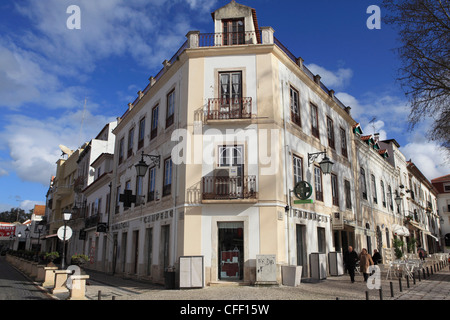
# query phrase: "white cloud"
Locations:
[[3, 172], [27, 205], [335, 80], [109, 28], [33, 143], [427, 156]]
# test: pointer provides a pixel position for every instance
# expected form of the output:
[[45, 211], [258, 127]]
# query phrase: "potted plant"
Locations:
[[411, 244], [79, 259], [398, 245], [50, 257]]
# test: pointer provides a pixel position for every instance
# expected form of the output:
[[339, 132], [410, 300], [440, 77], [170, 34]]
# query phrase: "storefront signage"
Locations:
[[7, 231], [119, 226], [158, 216], [303, 190], [309, 215]]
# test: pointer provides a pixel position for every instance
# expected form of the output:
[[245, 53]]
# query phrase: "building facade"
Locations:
[[233, 119], [442, 185], [231, 130]]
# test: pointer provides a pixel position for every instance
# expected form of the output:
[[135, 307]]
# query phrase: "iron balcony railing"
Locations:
[[229, 108], [229, 38], [227, 188], [91, 221]]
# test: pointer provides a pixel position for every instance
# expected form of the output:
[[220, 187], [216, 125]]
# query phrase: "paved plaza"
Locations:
[[436, 286]]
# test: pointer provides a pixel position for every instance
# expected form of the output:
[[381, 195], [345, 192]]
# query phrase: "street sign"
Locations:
[[61, 233], [102, 227], [127, 198], [303, 201], [303, 190]]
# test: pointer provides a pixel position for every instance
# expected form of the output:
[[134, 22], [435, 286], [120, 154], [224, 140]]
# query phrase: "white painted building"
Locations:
[[90, 207], [442, 185]]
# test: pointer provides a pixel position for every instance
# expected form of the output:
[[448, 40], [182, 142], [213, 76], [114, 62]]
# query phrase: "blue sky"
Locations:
[[47, 70]]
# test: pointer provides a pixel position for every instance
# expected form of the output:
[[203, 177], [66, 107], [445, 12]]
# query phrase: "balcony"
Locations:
[[229, 188], [229, 38], [229, 109], [91, 221]]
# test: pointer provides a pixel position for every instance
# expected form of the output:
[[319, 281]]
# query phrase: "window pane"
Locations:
[[298, 169], [318, 183], [348, 197]]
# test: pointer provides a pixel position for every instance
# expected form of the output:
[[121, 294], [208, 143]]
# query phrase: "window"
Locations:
[[298, 169], [130, 142], [446, 187], [388, 242], [383, 192], [151, 184], [391, 205], [117, 199], [321, 243], [127, 187], [314, 121], [167, 185], [95, 207], [348, 195], [154, 126], [99, 206], [233, 32], [318, 183], [139, 189], [121, 150], [108, 204], [334, 190], [330, 132], [230, 92], [343, 143], [295, 107], [374, 189], [141, 133], [362, 181], [170, 108], [231, 156]]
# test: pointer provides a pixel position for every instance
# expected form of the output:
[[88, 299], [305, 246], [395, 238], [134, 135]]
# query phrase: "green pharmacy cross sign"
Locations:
[[303, 190]]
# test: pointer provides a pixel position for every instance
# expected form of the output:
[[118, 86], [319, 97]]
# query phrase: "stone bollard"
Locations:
[[34, 270], [78, 287], [28, 266], [40, 276], [49, 277], [60, 281]]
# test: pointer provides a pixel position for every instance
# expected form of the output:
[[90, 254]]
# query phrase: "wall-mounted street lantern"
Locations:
[[326, 165], [398, 200], [142, 166]]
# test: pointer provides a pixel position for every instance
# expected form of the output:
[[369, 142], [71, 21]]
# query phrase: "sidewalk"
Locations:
[[435, 287]]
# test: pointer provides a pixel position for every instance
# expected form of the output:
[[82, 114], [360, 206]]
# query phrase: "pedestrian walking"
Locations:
[[376, 257], [350, 260], [365, 261]]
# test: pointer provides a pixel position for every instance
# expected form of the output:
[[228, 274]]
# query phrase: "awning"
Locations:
[[416, 225], [400, 230], [434, 237]]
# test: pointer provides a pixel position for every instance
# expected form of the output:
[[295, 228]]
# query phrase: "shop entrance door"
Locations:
[[302, 259], [231, 250]]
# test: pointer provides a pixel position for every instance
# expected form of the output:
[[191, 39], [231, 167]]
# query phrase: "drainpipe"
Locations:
[[288, 192], [175, 220]]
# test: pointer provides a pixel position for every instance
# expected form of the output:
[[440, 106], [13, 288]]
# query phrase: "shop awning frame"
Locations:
[[400, 230]]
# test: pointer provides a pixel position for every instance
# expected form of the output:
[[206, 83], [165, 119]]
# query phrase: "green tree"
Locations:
[[14, 215]]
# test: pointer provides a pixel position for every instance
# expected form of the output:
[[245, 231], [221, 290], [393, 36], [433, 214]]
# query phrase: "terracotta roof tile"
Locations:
[[39, 210]]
